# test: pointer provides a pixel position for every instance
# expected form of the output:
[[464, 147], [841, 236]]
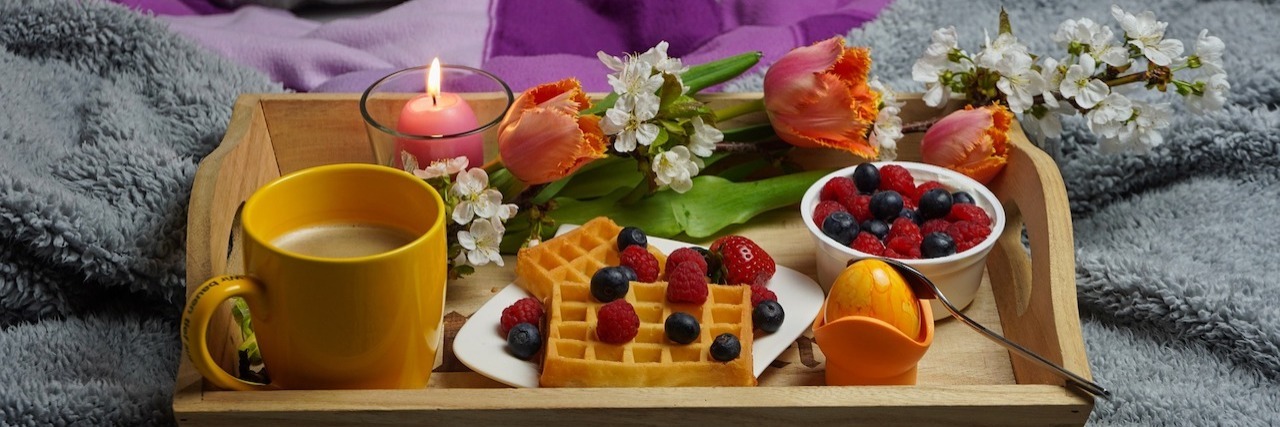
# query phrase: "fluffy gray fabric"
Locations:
[[1176, 248], [105, 116]]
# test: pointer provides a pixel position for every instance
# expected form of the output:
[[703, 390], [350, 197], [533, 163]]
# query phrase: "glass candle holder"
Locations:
[[402, 118]]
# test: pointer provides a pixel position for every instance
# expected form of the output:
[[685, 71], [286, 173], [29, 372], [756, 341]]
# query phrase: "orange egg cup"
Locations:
[[864, 350]]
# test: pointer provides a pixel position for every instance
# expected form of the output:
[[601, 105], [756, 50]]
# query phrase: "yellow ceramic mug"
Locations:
[[345, 285]]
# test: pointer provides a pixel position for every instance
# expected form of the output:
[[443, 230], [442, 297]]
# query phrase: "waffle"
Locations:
[[576, 358], [572, 257]]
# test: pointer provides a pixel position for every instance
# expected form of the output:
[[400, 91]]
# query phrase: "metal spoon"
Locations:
[[925, 289]]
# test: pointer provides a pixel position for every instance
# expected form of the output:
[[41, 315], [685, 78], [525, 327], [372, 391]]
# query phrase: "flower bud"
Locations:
[[817, 96], [543, 138], [972, 141]]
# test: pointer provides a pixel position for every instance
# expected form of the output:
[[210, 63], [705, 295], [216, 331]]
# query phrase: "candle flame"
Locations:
[[433, 79]]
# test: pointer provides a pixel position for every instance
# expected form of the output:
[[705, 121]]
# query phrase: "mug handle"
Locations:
[[195, 326]]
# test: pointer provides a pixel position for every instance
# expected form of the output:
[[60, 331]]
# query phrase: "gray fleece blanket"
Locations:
[[105, 116]]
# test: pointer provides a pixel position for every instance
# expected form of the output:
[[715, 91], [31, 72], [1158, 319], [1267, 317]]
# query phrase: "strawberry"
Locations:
[[743, 261]]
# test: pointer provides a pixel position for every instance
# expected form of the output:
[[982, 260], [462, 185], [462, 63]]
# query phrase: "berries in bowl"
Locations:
[[931, 218]]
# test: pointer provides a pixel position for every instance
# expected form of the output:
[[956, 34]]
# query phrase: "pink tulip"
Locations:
[[817, 96], [543, 138], [972, 141]]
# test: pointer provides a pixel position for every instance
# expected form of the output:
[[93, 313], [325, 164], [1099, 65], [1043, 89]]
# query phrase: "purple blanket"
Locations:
[[524, 42]]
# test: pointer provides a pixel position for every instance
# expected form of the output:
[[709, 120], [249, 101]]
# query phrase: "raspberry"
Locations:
[[909, 203], [837, 188], [526, 310], [683, 255], [928, 185], [897, 178], [686, 284], [617, 322], [868, 243], [971, 213], [935, 225], [902, 244], [825, 207], [858, 205], [903, 227], [759, 294], [640, 261], [967, 234]]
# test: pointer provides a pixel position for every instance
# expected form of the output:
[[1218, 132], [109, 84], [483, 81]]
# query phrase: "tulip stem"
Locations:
[[739, 109]]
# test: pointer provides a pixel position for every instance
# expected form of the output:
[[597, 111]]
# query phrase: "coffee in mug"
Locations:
[[343, 240]]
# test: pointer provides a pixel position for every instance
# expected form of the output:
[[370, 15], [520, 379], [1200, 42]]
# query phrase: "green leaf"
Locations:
[[669, 92], [1005, 28], [549, 191], [601, 105], [750, 133], [742, 171], [588, 184], [702, 76], [685, 108], [663, 136], [713, 204]]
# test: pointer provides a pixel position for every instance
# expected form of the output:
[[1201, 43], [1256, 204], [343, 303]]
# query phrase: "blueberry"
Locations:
[[876, 227], [937, 245], [631, 274], [935, 203], [886, 205], [682, 328], [632, 236], [866, 177], [726, 347], [961, 197], [768, 316], [611, 283], [910, 214], [840, 226], [524, 341], [713, 263]]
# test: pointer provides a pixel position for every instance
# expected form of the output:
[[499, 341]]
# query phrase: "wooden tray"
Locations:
[[964, 378]]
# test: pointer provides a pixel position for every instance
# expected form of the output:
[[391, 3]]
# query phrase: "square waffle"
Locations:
[[572, 257], [576, 358]]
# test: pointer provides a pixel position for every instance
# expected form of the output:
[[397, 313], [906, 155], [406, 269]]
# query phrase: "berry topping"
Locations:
[[962, 197], [923, 188], [760, 293], [825, 208], [768, 316], [682, 328], [909, 214], [859, 206], [868, 244], [937, 245], [905, 246], [841, 227], [523, 341], [726, 347], [877, 228], [617, 322], [905, 227], [632, 236], [837, 188], [867, 177], [683, 255], [687, 284], [971, 213], [934, 226], [935, 203], [713, 265], [886, 205], [897, 178], [744, 262], [526, 310], [967, 234], [639, 260], [611, 283]]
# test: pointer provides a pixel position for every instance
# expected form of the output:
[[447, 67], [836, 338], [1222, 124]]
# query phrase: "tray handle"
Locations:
[[1036, 294], [243, 162]]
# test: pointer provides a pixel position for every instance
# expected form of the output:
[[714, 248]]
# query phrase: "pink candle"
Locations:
[[436, 113]]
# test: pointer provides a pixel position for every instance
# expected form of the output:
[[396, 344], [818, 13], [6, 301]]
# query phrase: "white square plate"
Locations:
[[482, 348]]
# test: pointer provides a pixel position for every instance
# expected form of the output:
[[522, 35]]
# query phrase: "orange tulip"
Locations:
[[972, 141], [817, 96], [543, 138]]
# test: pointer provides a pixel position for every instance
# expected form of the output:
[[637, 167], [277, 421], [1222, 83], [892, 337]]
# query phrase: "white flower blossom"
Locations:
[[657, 56], [637, 82], [1048, 126], [505, 212], [676, 168], [475, 198], [1080, 85], [999, 51], [408, 161], [1209, 52], [886, 132], [1106, 118], [1018, 81], [703, 141], [936, 63], [630, 122], [1147, 34], [1215, 94], [443, 167], [888, 97], [1142, 130], [480, 243], [1052, 73], [1097, 38]]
